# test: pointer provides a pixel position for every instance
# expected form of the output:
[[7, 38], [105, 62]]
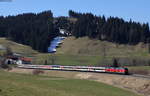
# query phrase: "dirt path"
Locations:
[[135, 84]]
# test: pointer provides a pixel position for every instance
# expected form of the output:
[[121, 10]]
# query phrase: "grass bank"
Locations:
[[12, 84]]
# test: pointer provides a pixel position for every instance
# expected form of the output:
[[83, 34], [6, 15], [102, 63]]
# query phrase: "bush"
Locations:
[[37, 72], [3, 65]]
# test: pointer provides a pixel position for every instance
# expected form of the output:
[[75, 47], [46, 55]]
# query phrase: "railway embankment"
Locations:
[[136, 84]]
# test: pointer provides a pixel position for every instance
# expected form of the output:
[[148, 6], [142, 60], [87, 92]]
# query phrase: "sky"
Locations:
[[137, 10]]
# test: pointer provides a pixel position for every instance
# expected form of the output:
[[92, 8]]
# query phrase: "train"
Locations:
[[114, 70]]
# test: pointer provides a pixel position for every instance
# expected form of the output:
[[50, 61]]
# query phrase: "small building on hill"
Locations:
[[17, 59]]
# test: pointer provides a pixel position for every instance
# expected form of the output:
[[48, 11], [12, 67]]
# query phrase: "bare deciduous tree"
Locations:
[[115, 62], [8, 51], [53, 59], [37, 72]]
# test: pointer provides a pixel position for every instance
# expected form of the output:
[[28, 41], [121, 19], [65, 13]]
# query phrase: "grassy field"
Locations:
[[12, 84], [82, 51], [66, 59]]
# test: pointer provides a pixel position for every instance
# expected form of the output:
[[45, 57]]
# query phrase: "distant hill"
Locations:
[[110, 38], [37, 30]]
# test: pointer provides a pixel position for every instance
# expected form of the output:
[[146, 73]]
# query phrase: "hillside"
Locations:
[[84, 51], [86, 46], [127, 54], [18, 48]]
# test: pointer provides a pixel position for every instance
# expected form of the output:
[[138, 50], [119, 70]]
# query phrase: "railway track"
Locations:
[[114, 70], [140, 76], [82, 69]]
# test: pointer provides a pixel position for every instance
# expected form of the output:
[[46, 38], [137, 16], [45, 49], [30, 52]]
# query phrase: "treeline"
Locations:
[[35, 30], [112, 29]]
